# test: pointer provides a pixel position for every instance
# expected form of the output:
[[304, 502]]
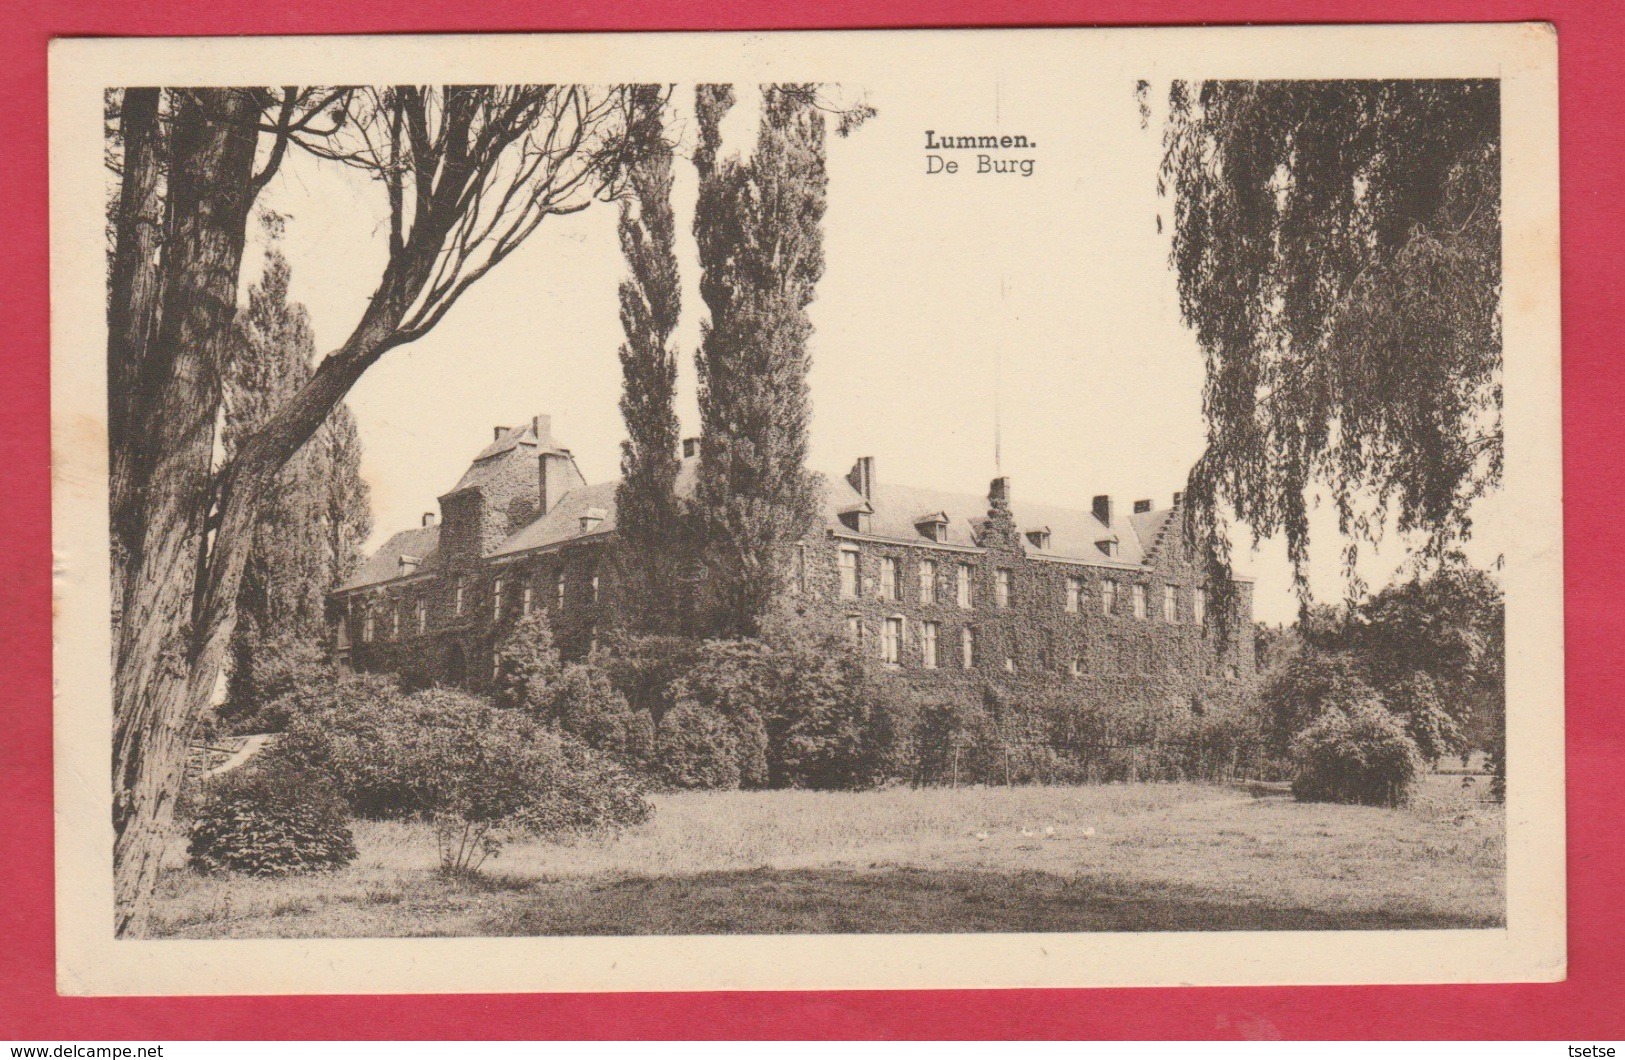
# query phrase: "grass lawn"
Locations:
[[1144, 857]]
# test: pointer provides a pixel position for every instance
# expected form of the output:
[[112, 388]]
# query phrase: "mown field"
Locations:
[[1144, 857]]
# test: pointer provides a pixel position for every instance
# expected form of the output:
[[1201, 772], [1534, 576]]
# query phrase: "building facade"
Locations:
[[939, 586]]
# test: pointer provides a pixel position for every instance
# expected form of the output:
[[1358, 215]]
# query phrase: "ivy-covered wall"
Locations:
[[1111, 658]]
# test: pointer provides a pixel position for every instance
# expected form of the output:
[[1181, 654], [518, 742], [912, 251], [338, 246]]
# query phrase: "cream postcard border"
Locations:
[[1531, 948]]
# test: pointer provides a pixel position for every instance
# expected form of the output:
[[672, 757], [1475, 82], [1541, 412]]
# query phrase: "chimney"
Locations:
[[1141, 507], [558, 477], [542, 428], [691, 448], [1178, 498], [862, 477], [998, 493], [428, 518], [497, 433], [1103, 508]]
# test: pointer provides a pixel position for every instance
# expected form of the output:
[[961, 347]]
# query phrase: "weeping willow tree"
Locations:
[[1338, 252]]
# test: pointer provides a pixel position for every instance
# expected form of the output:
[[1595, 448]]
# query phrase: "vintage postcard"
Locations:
[[807, 510]]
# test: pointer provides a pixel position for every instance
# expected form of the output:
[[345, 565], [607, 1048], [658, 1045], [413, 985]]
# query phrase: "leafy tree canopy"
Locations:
[[1337, 245]]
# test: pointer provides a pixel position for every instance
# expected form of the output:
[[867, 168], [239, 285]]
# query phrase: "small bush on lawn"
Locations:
[[266, 823], [1357, 752]]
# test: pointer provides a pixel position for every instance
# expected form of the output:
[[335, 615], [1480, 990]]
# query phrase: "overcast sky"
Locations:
[[1051, 291]]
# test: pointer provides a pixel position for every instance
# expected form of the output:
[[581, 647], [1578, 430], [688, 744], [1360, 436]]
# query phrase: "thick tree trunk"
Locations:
[[156, 703], [134, 293]]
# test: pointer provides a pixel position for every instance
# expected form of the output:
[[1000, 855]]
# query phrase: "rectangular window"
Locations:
[[967, 648], [1009, 664], [595, 588], [496, 598], [1139, 601], [1108, 597], [1170, 604], [423, 615], [928, 581], [928, 645], [888, 579], [1078, 666], [1199, 607], [1001, 588], [849, 573], [366, 626], [854, 629], [1074, 593], [395, 622], [963, 586], [458, 607], [524, 601], [891, 640], [559, 591]]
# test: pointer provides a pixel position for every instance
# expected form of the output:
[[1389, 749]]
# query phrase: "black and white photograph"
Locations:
[[1036, 489]]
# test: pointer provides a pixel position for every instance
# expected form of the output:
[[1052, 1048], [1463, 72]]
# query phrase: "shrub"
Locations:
[[266, 823], [269, 676], [895, 711], [1415, 699], [1357, 752], [481, 773], [1302, 690], [955, 741], [735, 680], [585, 705], [646, 670], [586, 793], [817, 713], [356, 733], [696, 747], [476, 771], [527, 665]]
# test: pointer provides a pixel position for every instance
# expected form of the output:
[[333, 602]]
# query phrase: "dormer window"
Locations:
[[408, 565], [1039, 538], [933, 527], [591, 518], [857, 516], [1107, 546]]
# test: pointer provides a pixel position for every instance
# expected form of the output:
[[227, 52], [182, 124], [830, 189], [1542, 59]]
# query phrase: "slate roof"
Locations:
[[385, 564], [897, 510], [484, 467]]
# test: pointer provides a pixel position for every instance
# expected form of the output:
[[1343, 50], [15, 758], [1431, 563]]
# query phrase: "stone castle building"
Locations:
[[938, 585]]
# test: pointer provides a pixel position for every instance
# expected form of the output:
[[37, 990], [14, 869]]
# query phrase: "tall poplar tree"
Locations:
[[757, 225], [315, 513], [648, 515]]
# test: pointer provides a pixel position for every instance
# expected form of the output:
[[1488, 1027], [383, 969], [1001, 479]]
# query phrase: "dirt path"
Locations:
[[253, 746]]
